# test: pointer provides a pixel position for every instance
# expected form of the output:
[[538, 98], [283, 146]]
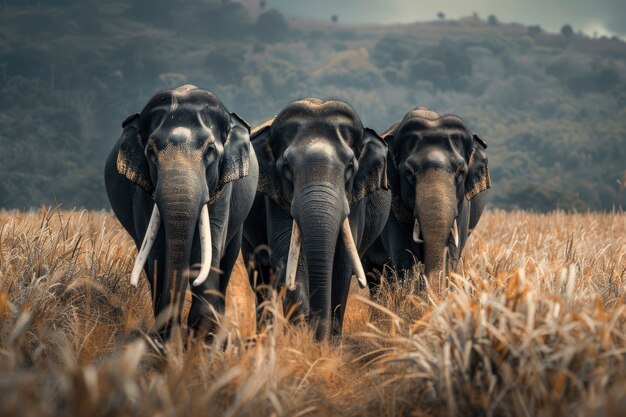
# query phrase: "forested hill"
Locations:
[[552, 107]]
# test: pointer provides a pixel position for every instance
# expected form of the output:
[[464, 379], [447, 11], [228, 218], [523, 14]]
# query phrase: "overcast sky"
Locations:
[[606, 17]]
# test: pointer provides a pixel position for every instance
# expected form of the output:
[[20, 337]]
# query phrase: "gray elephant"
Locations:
[[322, 200], [438, 174], [181, 180]]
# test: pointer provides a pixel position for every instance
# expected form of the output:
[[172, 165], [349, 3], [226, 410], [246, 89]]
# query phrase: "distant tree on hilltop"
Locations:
[[441, 15], [492, 20], [271, 26], [534, 30], [567, 31]]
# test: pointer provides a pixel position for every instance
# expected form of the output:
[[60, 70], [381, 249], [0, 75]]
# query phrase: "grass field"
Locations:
[[534, 324]]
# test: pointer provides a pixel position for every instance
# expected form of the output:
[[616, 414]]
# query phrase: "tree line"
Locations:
[[552, 107]]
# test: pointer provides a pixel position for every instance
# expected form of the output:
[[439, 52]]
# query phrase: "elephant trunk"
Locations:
[[435, 216], [181, 196], [318, 215]]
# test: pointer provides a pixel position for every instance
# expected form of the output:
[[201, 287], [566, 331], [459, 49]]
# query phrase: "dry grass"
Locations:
[[534, 325]]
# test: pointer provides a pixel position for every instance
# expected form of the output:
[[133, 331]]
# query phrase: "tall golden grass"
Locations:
[[534, 324]]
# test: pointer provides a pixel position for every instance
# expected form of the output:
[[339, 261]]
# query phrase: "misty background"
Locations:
[[542, 83], [604, 17]]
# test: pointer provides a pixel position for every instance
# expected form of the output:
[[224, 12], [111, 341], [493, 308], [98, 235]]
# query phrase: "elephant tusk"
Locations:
[[206, 246], [416, 232], [146, 246], [455, 233], [353, 253], [294, 256]]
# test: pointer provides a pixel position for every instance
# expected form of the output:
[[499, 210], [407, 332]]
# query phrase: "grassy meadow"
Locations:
[[534, 324]]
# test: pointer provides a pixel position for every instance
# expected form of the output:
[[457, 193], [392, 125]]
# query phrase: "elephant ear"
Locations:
[[392, 171], [401, 211], [270, 183], [372, 173], [236, 159], [478, 178], [131, 160]]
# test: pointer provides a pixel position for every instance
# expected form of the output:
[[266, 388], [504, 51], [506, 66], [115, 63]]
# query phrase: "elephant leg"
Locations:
[[155, 273], [256, 251], [209, 299], [463, 221], [342, 276], [262, 281], [398, 243], [259, 272], [228, 260], [155, 265], [296, 302]]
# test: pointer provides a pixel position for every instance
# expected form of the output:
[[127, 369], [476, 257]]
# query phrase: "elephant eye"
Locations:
[[152, 157], [349, 171], [287, 171], [209, 153], [458, 173], [410, 176]]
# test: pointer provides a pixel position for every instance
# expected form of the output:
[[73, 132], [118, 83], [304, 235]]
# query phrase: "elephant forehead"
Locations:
[[187, 112], [434, 156], [431, 153], [319, 113], [410, 140], [319, 107], [328, 122], [338, 133], [323, 149], [186, 94]]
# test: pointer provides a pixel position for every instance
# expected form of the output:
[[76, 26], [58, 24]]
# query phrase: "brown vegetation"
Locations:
[[534, 324]]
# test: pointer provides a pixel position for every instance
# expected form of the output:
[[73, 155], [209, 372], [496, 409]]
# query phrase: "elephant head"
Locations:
[[317, 163], [436, 165], [182, 149]]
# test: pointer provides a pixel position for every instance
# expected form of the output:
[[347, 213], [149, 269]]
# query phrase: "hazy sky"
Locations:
[[605, 17]]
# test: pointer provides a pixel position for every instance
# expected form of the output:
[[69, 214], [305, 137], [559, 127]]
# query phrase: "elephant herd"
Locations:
[[310, 198]]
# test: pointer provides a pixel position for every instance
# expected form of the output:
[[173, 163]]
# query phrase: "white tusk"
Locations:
[[416, 232], [294, 256], [206, 246], [455, 233], [146, 246], [353, 253]]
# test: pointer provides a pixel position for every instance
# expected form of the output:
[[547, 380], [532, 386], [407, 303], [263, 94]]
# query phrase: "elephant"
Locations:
[[438, 174], [181, 180], [322, 200]]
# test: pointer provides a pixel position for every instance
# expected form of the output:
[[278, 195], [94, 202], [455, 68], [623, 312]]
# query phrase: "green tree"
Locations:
[[534, 30], [271, 26], [567, 31]]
